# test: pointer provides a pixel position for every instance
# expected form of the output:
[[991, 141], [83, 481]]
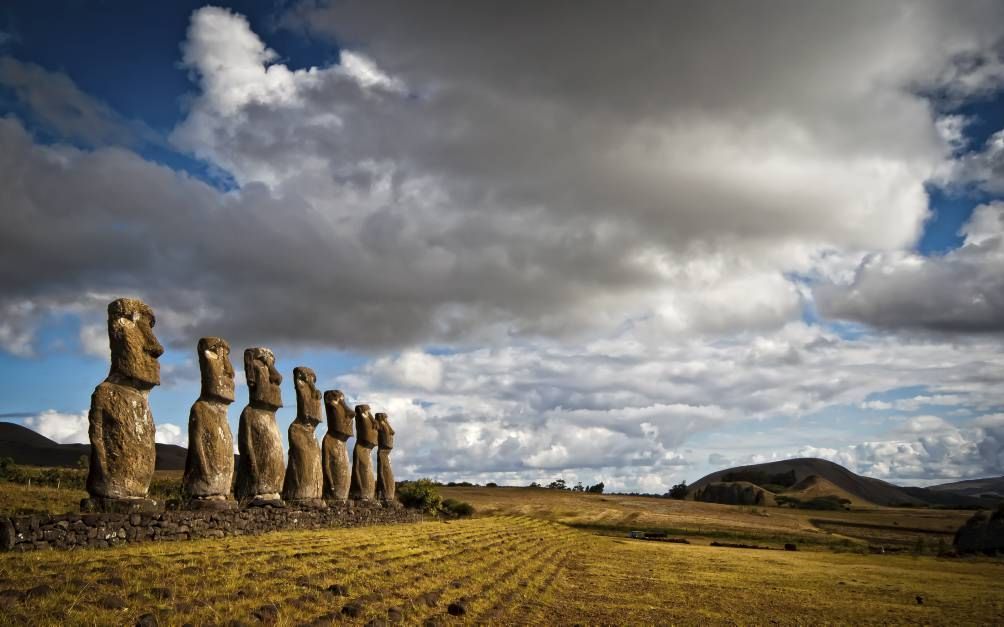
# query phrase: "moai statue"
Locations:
[[385, 475], [334, 453], [363, 487], [209, 467], [121, 429], [304, 483], [261, 467]]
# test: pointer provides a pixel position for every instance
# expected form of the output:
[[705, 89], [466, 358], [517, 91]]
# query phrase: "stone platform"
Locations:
[[100, 530]]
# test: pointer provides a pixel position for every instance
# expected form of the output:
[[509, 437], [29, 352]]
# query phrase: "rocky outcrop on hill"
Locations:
[[734, 493], [982, 533]]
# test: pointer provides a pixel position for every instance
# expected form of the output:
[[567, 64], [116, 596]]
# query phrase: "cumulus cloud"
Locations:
[[60, 427], [960, 291], [619, 407], [604, 220], [168, 433], [65, 428], [422, 198]]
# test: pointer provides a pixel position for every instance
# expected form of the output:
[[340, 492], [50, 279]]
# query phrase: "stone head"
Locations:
[[386, 433], [262, 378], [217, 371], [308, 399], [365, 425], [135, 348], [339, 414]]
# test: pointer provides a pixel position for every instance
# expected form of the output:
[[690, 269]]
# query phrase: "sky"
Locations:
[[629, 243]]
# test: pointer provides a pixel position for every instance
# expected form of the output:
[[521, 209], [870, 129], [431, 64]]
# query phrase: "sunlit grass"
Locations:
[[504, 569]]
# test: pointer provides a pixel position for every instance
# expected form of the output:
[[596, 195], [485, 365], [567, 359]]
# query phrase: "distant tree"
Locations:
[[557, 484], [491, 484], [534, 485], [596, 489], [679, 491], [83, 462], [6, 464], [578, 487]]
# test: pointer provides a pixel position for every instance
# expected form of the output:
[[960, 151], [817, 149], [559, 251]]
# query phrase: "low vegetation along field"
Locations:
[[530, 556]]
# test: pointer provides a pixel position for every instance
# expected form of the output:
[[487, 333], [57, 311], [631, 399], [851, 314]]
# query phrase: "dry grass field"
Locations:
[[856, 529], [497, 570]]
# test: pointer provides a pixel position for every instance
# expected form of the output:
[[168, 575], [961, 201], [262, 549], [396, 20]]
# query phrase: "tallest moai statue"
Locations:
[[121, 429]]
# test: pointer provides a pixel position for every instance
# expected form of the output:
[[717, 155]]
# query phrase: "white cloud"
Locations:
[[60, 427], [410, 369], [94, 340], [168, 433], [364, 71]]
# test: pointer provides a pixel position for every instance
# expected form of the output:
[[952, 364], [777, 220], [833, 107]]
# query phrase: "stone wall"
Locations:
[[70, 531]]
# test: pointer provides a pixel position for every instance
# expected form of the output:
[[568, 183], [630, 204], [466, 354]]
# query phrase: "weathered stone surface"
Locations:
[[105, 530], [209, 467], [334, 453], [303, 475], [261, 468], [121, 427], [385, 475], [363, 486]]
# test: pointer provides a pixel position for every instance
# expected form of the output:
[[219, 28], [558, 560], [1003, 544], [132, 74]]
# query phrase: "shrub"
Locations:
[[421, 495], [825, 503], [678, 492], [456, 508], [596, 489]]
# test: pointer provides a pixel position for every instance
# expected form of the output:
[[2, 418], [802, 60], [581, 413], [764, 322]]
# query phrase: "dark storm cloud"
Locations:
[[469, 176], [961, 291]]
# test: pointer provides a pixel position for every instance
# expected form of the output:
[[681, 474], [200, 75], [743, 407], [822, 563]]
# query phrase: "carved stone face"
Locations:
[[308, 399], [262, 378], [217, 371], [339, 414], [135, 348], [385, 432], [365, 426]]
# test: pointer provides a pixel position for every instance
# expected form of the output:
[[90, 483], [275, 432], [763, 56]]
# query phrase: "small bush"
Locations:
[[460, 509], [678, 492], [421, 495]]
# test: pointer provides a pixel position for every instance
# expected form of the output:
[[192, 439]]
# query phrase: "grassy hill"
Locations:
[[864, 490], [814, 487], [616, 514], [993, 486]]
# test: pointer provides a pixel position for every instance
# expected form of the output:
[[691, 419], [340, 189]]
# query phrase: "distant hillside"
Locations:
[[814, 487], [873, 491], [32, 449], [991, 486], [865, 488]]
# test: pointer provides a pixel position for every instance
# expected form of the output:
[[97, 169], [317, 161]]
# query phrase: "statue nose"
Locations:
[[154, 348]]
